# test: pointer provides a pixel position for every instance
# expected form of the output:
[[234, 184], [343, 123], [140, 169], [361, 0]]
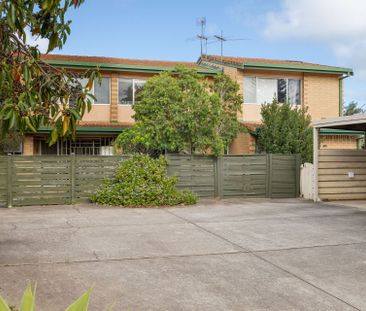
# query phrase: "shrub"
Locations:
[[286, 129], [142, 181]]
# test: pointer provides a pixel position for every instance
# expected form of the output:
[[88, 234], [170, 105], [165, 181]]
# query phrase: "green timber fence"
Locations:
[[41, 180], [263, 176]]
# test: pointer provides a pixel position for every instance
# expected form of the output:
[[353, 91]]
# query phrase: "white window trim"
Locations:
[[133, 89], [277, 78]]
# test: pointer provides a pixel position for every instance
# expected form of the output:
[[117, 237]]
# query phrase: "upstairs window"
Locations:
[[102, 91], [128, 90], [264, 90]]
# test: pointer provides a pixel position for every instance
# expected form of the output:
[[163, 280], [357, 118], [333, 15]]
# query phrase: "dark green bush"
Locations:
[[142, 181]]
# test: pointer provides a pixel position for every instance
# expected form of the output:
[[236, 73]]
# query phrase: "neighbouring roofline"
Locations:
[[326, 131], [124, 67], [284, 67], [340, 121]]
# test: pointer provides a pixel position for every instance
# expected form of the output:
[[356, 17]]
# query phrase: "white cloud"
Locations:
[[339, 24], [33, 41], [318, 19]]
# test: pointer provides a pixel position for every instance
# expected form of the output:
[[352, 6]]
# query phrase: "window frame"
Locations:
[[276, 78], [134, 80]]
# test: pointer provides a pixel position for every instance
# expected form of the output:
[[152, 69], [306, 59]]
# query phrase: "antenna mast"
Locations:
[[203, 38], [221, 38]]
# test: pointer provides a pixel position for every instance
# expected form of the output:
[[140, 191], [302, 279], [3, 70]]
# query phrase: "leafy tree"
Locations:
[[180, 111], [285, 129], [34, 93], [353, 108], [225, 104]]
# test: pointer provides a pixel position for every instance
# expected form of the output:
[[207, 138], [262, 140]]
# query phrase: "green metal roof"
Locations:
[[286, 67], [326, 131], [89, 130], [123, 67]]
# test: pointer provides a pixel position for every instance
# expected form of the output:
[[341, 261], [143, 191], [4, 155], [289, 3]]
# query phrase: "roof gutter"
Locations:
[[122, 67]]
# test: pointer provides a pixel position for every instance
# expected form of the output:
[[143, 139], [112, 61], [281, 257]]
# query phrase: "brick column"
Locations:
[[114, 100]]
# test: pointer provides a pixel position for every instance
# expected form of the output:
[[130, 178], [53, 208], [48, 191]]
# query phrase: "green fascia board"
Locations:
[[122, 67], [304, 68], [89, 130], [283, 67], [325, 131]]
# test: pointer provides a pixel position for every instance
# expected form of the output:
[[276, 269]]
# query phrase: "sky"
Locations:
[[330, 32]]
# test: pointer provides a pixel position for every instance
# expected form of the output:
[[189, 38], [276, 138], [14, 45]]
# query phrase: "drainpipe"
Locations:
[[316, 163], [341, 92]]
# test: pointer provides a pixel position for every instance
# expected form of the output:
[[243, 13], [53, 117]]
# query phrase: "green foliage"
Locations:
[[180, 111], [225, 104], [28, 302], [34, 93], [142, 181], [353, 108], [10, 141], [285, 129]]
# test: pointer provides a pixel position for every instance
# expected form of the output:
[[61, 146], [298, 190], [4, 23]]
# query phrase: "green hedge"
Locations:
[[142, 181]]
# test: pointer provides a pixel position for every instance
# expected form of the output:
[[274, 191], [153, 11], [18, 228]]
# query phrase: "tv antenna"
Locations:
[[202, 37], [204, 40], [220, 38]]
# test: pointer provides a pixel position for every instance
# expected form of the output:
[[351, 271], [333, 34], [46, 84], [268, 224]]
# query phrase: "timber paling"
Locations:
[[44, 180]]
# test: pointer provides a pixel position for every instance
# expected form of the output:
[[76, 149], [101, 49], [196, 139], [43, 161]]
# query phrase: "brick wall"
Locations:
[[321, 95], [244, 143], [28, 145], [338, 142]]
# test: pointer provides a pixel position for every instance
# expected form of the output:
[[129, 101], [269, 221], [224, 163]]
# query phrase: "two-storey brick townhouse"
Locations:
[[318, 87]]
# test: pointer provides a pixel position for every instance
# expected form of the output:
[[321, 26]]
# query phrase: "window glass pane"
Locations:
[[250, 90], [101, 91], [125, 91], [294, 86], [266, 90], [139, 86], [77, 90], [282, 90]]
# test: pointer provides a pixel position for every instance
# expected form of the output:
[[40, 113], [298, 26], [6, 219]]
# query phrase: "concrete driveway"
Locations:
[[228, 255]]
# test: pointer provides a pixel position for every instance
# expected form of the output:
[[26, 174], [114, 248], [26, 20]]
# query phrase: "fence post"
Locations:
[[219, 175], [72, 179], [10, 182], [297, 175], [269, 172]]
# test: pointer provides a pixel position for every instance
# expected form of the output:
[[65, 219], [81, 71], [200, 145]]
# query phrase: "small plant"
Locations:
[[29, 297], [142, 181]]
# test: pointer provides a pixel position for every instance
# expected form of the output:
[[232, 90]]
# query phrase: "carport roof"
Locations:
[[355, 122]]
